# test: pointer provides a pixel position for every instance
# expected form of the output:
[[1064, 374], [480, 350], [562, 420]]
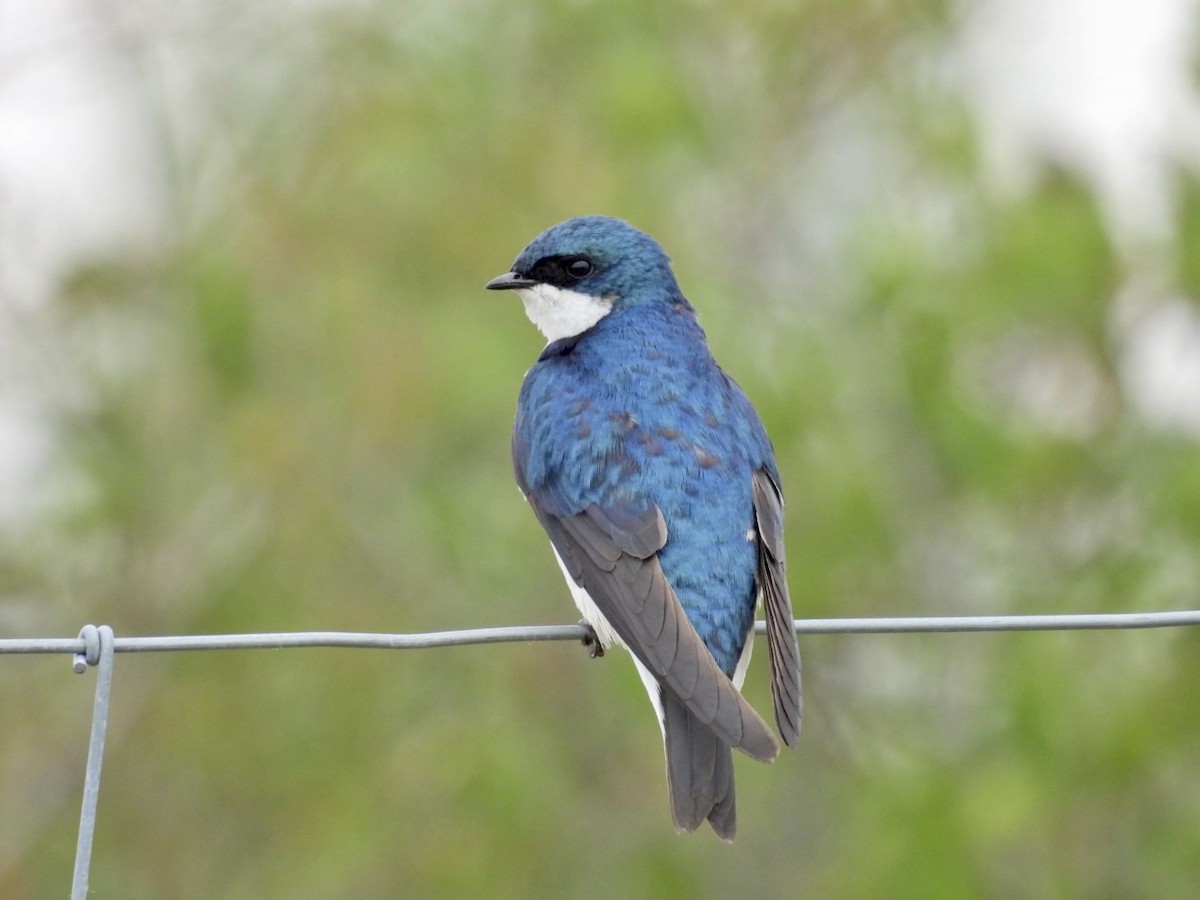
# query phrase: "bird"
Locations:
[[656, 482]]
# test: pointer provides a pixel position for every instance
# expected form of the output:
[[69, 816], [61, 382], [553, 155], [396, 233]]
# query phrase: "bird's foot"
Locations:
[[591, 641]]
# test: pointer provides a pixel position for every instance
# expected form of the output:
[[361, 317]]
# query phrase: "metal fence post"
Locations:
[[98, 651]]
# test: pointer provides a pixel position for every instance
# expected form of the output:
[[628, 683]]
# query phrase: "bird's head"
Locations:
[[574, 274]]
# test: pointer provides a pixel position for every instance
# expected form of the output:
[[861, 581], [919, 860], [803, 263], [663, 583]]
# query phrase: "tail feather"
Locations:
[[699, 771], [723, 817]]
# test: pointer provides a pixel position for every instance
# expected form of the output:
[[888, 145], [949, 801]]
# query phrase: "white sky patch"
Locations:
[[24, 448], [80, 172], [559, 313], [1159, 353], [1101, 87], [80, 179]]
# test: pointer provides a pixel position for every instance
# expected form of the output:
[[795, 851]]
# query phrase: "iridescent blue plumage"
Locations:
[[681, 437], [653, 474]]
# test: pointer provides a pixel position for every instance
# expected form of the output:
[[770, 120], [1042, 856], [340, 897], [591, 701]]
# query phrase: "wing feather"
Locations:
[[612, 554], [782, 648]]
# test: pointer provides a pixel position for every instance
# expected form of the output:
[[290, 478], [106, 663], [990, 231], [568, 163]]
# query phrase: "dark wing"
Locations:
[[781, 627], [613, 555]]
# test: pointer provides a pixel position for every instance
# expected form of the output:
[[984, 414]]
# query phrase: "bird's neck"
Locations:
[[633, 343], [670, 322]]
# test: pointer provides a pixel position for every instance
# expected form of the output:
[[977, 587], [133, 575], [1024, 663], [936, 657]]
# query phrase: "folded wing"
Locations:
[[777, 606], [613, 554]]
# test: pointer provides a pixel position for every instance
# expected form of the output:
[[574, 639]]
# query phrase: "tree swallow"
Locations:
[[656, 482]]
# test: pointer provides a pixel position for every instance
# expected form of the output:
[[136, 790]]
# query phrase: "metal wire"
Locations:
[[524, 633], [96, 646]]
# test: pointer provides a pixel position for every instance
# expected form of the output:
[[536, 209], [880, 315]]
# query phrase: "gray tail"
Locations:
[[699, 771]]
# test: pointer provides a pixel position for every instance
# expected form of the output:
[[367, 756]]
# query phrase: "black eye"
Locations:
[[580, 267]]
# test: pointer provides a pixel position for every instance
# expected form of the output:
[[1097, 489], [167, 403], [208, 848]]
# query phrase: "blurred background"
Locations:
[[250, 381]]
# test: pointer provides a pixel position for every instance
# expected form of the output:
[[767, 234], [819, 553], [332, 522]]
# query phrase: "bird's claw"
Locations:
[[591, 641]]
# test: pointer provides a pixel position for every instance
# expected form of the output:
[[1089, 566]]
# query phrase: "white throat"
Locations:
[[560, 313]]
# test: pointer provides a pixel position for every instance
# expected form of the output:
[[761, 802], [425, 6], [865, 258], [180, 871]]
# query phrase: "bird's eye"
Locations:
[[580, 267]]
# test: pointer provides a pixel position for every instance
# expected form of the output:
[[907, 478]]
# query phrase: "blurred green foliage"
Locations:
[[294, 414]]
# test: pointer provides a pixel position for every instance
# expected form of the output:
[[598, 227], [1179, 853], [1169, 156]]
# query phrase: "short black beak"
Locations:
[[509, 281]]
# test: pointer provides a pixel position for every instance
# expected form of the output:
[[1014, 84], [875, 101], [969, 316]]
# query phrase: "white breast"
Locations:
[[560, 313]]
